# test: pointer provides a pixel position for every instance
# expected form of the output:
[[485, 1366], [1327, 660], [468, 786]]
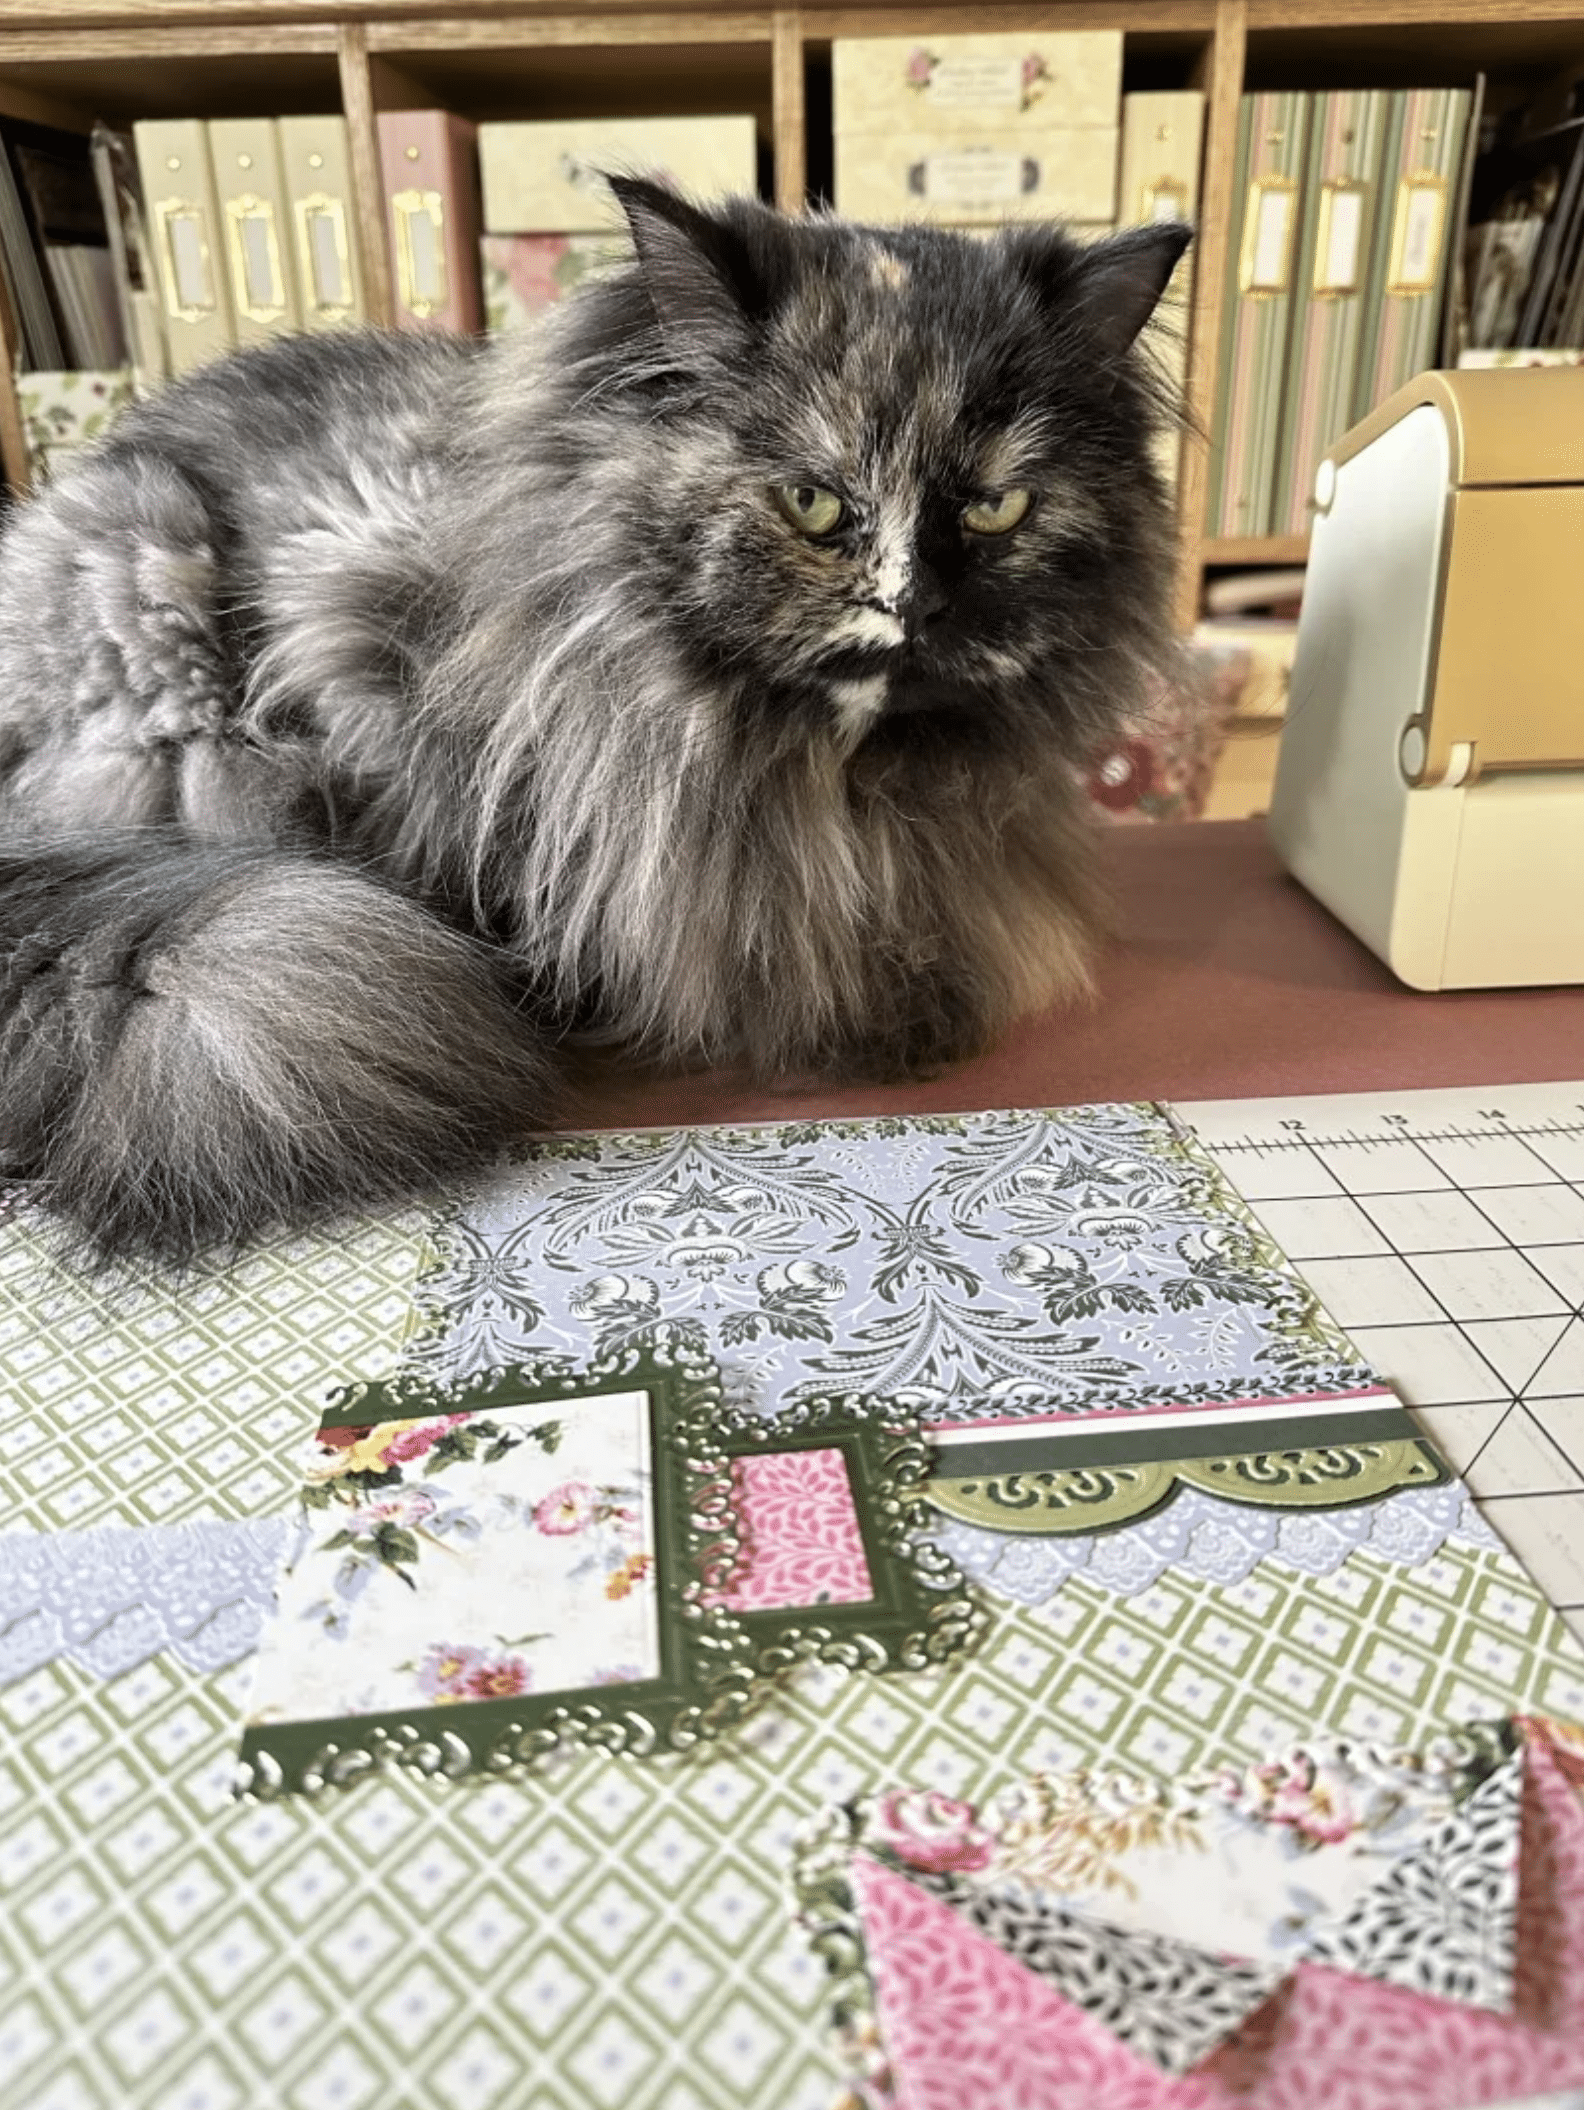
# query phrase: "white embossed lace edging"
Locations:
[[1215, 1541], [108, 1600]]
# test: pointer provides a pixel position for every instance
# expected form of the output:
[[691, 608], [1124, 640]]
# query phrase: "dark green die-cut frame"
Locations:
[[712, 1660]]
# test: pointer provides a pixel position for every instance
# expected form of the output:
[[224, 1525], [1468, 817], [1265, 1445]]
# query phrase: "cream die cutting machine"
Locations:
[[1430, 785]]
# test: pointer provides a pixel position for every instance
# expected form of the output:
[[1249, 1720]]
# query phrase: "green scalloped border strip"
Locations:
[[1072, 1501]]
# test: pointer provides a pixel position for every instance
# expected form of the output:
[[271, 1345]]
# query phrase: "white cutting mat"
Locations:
[[1445, 1231]]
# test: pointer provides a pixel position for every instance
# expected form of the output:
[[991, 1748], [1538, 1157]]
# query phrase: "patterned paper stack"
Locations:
[[1238, 1551]]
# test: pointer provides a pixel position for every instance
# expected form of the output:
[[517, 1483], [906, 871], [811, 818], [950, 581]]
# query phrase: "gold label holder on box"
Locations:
[[419, 217], [1165, 198], [1270, 228], [322, 242], [189, 269], [257, 267], [1339, 237], [1418, 233]]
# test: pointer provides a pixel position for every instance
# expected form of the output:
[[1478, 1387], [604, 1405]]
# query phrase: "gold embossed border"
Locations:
[[1090, 1498], [714, 1662]]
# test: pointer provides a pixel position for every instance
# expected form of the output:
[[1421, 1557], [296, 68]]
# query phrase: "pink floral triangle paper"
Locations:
[[1170, 2002], [966, 2025]]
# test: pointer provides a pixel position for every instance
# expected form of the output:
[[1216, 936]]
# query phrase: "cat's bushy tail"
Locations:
[[199, 1045]]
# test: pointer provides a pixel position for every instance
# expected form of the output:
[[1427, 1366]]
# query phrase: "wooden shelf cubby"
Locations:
[[70, 61]]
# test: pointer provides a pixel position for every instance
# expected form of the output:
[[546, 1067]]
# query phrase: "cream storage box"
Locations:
[[972, 130], [1430, 785], [1001, 86], [957, 183], [548, 178]]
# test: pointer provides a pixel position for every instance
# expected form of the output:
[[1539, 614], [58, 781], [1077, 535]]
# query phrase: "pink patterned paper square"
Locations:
[[801, 1540]]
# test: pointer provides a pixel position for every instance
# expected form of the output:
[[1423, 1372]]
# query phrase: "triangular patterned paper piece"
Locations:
[[1442, 1920], [965, 2027], [1166, 2000]]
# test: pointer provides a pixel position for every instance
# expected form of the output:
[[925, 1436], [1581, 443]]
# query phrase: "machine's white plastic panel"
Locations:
[[1517, 910], [1342, 818]]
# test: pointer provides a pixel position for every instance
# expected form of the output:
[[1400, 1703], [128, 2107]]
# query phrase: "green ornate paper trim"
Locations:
[[1092, 1498], [713, 1662]]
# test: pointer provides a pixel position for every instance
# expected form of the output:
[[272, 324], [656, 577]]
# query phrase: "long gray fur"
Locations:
[[377, 711]]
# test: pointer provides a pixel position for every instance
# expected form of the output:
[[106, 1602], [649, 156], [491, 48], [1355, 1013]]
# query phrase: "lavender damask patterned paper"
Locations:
[[978, 1266]]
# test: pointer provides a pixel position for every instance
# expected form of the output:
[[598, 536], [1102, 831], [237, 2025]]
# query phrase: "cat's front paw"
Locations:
[[929, 1038]]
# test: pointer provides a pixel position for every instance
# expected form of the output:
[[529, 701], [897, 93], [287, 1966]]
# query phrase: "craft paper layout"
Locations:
[[483, 1573], [978, 1967], [611, 1935], [1173, 1912]]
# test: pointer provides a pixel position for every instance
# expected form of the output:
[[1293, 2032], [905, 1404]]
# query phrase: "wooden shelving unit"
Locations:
[[69, 61], [1252, 549]]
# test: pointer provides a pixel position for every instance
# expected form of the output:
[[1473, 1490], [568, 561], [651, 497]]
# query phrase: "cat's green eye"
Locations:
[[811, 510], [998, 514]]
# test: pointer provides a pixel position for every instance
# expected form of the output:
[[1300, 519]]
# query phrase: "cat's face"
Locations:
[[909, 499]]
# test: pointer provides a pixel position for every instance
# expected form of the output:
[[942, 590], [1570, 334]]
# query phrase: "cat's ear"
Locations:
[[697, 270], [1121, 280], [1113, 285]]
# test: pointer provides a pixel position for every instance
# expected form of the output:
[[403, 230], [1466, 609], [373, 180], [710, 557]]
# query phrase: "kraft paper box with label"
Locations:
[[914, 176], [951, 87], [549, 219]]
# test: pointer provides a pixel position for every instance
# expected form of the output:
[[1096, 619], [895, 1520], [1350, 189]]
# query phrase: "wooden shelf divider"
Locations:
[[1253, 550]]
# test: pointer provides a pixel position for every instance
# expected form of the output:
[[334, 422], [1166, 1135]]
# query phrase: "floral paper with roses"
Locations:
[[463, 1557]]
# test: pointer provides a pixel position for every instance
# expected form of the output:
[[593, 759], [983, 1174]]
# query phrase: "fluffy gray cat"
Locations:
[[707, 671]]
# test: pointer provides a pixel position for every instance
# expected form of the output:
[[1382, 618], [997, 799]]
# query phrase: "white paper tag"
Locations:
[[973, 176], [428, 267], [258, 260], [189, 260], [1421, 235], [976, 84], [330, 287], [1336, 269], [1272, 241]]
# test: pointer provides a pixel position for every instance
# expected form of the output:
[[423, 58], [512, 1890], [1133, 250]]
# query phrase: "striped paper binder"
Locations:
[[1347, 137], [1257, 314], [1400, 331]]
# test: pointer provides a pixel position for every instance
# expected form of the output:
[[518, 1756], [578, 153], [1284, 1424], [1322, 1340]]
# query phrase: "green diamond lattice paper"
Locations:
[[125, 1403], [620, 1934]]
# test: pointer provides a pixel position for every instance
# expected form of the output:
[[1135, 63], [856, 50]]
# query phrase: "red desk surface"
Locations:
[[1225, 980]]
